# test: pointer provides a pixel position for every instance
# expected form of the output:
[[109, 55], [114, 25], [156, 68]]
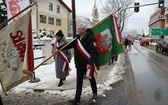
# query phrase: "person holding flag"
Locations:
[[85, 55], [62, 59]]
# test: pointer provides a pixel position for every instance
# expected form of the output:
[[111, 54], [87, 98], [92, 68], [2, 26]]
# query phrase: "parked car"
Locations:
[[162, 45], [144, 42]]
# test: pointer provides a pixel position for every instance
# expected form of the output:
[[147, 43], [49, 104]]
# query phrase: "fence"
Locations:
[[46, 45], [43, 44]]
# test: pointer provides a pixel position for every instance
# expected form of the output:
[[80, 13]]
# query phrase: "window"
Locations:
[[50, 20], [58, 9], [58, 22], [50, 6], [42, 19]]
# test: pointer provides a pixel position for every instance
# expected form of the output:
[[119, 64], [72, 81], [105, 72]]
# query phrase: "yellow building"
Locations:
[[50, 15]]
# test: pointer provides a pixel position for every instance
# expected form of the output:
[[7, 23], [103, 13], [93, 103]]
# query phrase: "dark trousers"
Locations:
[[1, 103], [79, 83]]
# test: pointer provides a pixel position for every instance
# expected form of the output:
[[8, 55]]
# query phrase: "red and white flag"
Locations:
[[65, 59], [16, 53], [86, 55], [117, 29], [15, 6]]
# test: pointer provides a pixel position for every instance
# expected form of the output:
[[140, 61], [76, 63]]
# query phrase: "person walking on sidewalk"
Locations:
[[62, 59], [84, 45], [126, 43]]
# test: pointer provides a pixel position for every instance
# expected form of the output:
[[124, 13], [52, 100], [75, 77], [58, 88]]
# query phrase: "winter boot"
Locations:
[[64, 79], [60, 83]]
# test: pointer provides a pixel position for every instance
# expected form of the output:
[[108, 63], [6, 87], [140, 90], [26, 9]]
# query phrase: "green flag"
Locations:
[[108, 39]]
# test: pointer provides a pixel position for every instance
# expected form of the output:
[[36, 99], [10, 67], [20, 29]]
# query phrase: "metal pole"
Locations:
[[34, 79], [138, 6], [68, 25], [37, 16], [73, 19]]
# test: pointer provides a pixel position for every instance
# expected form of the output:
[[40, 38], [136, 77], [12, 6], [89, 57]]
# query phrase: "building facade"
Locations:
[[157, 20], [95, 14], [85, 20], [50, 15], [166, 20]]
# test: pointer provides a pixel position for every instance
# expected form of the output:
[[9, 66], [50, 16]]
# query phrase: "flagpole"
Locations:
[[3, 86], [53, 54], [2, 24]]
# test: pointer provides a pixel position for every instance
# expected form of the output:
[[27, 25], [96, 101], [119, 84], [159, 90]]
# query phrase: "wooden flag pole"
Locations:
[[54, 54]]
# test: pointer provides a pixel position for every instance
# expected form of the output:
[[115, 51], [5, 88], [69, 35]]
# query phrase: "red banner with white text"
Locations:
[[15, 6]]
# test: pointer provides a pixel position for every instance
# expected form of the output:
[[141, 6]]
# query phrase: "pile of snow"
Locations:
[[108, 74]]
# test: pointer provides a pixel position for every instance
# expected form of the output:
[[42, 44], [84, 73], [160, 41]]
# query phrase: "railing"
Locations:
[[47, 46], [154, 40], [38, 46], [39, 57]]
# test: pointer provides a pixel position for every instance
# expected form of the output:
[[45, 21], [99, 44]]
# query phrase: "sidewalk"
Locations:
[[50, 94]]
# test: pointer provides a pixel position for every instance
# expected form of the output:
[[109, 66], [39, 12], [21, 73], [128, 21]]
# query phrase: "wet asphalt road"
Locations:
[[150, 70]]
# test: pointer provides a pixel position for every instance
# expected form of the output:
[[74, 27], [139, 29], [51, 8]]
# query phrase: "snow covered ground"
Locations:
[[107, 75]]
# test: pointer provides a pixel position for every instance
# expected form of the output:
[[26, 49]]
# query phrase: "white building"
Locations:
[[51, 15]]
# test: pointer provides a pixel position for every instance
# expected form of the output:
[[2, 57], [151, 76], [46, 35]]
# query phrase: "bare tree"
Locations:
[[112, 6], [3, 13]]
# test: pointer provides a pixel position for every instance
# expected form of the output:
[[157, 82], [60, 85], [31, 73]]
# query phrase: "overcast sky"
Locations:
[[138, 21]]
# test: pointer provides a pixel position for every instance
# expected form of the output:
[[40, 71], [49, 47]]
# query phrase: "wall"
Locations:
[[43, 9]]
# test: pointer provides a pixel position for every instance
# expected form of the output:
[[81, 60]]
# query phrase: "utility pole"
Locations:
[[73, 18], [36, 16]]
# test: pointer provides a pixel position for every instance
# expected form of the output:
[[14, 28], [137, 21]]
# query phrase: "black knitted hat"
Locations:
[[59, 33]]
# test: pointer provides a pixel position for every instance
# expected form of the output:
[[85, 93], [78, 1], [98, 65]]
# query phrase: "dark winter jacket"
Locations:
[[89, 44], [126, 41]]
